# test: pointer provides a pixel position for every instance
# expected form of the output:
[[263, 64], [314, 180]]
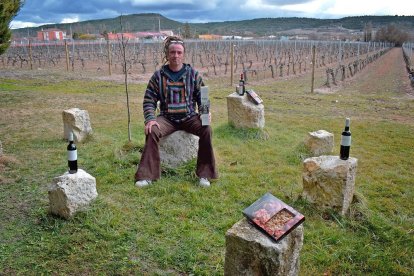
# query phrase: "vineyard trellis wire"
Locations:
[[259, 59]]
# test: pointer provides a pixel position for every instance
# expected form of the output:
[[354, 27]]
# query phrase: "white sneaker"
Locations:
[[204, 182], [142, 183]]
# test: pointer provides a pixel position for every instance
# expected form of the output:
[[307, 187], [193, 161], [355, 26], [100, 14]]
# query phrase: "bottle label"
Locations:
[[345, 140], [72, 155], [240, 90]]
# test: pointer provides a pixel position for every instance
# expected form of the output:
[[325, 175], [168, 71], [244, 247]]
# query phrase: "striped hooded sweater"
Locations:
[[178, 94]]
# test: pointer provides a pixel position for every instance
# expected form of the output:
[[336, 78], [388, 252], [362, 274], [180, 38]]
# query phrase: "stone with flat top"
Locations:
[[251, 252], [243, 113], [178, 148], [329, 182]]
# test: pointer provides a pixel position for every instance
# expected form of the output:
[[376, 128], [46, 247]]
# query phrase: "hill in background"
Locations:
[[255, 27]]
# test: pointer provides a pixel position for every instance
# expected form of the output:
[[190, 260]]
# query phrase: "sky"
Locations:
[[39, 12]]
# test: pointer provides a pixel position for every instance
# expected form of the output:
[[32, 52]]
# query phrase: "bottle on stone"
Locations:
[[72, 155], [242, 88], [345, 141]]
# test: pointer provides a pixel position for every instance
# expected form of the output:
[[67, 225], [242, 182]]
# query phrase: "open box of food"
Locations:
[[273, 216]]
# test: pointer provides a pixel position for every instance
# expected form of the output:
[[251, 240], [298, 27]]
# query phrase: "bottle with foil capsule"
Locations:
[[242, 88], [72, 155], [345, 141]]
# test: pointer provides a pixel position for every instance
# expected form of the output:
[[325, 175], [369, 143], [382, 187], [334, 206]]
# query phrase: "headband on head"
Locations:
[[172, 40], [176, 42]]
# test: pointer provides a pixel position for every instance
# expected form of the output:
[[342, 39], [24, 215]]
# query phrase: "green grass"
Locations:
[[175, 227]]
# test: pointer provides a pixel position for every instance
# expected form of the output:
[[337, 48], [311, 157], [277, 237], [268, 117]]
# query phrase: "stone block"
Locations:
[[178, 148], [329, 182], [70, 193], [251, 252], [320, 142], [77, 121], [243, 113]]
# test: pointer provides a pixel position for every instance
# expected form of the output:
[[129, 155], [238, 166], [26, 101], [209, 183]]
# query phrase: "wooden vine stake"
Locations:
[[313, 66], [30, 55], [109, 57], [67, 55], [231, 64]]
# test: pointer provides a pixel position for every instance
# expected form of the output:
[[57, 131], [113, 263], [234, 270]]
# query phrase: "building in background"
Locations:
[[210, 37], [118, 36], [51, 35], [157, 36]]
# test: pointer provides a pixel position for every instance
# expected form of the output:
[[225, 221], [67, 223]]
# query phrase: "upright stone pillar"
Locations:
[[251, 252], [77, 121], [178, 148], [70, 193], [329, 182], [243, 113], [320, 142]]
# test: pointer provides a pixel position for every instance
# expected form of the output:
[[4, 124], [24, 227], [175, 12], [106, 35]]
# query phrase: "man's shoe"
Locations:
[[204, 182], [142, 183]]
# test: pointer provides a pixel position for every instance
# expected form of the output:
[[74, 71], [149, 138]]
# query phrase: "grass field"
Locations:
[[175, 227]]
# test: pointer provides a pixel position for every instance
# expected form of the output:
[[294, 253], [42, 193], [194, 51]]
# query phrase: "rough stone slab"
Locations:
[[178, 148], [77, 121], [243, 113], [329, 182], [70, 193], [251, 252], [320, 142]]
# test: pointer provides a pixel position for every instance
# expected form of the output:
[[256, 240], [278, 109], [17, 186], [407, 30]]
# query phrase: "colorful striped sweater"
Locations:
[[178, 97]]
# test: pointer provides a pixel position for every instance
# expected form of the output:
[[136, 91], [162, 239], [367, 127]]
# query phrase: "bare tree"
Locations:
[[368, 32], [123, 45], [392, 33]]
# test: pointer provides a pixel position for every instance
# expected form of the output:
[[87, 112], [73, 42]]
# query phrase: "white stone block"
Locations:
[[243, 113], [320, 142], [178, 148], [329, 182], [70, 193], [77, 121], [251, 252]]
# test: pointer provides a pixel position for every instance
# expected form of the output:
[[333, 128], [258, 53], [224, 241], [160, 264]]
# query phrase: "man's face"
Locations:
[[176, 54]]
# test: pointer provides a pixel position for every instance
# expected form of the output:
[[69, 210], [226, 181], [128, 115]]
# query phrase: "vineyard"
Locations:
[[258, 59], [174, 227]]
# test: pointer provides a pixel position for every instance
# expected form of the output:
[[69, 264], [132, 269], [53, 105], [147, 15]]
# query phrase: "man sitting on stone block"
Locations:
[[177, 87]]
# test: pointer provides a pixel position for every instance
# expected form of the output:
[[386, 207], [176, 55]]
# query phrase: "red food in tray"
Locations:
[[273, 216]]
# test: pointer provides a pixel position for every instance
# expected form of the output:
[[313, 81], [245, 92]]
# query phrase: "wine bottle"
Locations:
[[345, 141], [242, 88], [72, 155]]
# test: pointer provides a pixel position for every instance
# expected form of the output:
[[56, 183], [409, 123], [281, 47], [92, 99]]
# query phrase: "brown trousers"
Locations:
[[149, 166]]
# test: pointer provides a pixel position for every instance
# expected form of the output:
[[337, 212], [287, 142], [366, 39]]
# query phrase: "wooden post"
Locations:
[[313, 66], [109, 57], [231, 64], [67, 55], [30, 55]]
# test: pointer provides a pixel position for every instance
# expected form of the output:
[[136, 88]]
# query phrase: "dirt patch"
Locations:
[[5, 162], [328, 90], [132, 78]]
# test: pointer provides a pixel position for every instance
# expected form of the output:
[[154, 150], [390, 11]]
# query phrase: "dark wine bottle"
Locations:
[[72, 155], [242, 88], [345, 141]]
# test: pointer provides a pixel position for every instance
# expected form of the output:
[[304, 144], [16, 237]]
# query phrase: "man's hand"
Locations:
[[209, 118], [149, 125]]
